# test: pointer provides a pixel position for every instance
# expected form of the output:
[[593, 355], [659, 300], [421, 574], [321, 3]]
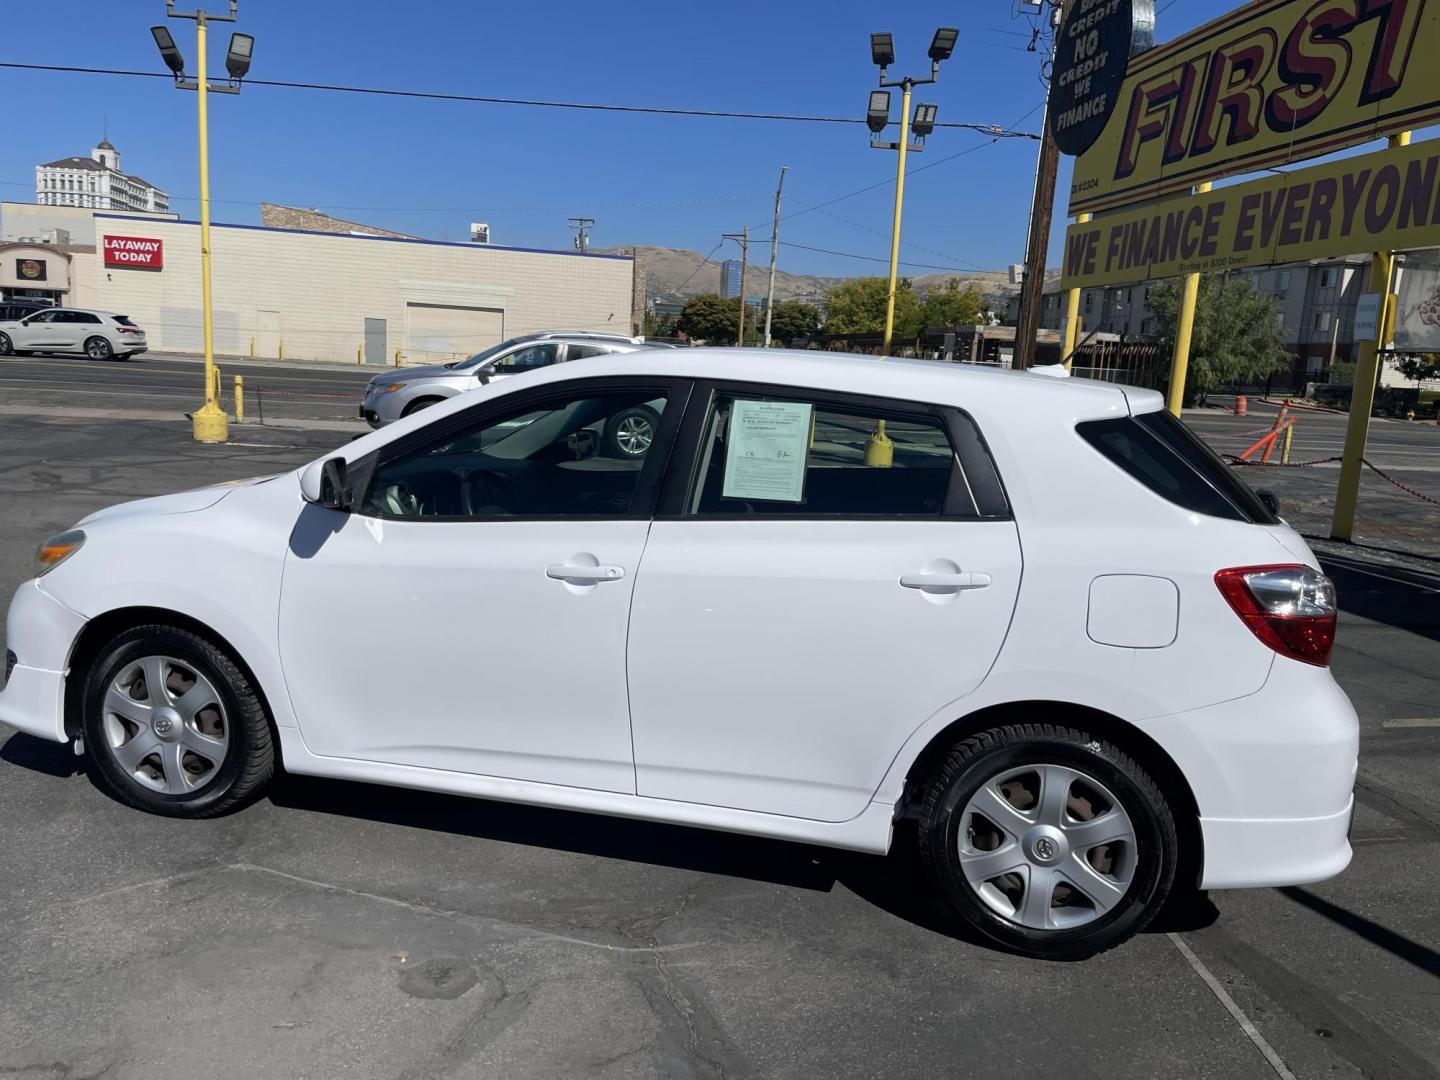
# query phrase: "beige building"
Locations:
[[348, 298]]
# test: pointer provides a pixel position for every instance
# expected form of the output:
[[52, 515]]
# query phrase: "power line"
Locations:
[[703, 263], [867, 258], [434, 95]]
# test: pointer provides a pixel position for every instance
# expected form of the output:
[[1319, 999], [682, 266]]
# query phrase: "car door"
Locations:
[[827, 573], [37, 333], [66, 329], [470, 614]]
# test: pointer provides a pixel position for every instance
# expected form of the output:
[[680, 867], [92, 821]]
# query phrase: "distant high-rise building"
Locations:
[[730, 278], [96, 182]]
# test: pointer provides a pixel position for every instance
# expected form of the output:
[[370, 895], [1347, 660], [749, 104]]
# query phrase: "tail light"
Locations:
[[129, 330], [1291, 608]]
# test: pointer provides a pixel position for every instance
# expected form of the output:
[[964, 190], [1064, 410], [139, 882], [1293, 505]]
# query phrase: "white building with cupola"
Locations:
[[96, 182]]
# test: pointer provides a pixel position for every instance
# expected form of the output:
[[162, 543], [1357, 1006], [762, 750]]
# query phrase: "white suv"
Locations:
[[100, 335], [1034, 616]]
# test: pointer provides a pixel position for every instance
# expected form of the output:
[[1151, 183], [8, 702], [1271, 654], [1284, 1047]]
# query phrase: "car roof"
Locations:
[[937, 381]]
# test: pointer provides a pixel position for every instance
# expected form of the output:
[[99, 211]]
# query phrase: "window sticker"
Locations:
[[765, 451]]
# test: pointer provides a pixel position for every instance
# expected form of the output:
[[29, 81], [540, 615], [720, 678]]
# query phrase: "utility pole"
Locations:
[[582, 227], [743, 237], [1027, 324], [774, 243]]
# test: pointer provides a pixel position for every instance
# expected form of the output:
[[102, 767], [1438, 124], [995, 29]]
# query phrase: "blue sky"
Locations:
[[431, 167]]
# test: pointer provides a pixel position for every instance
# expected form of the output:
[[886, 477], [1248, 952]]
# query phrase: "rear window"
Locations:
[[1171, 460], [123, 320]]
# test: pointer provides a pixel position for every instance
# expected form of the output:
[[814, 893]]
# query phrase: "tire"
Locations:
[[1118, 887], [6, 346], [208, 758], [97, 348], [629, 434], [421, 403]]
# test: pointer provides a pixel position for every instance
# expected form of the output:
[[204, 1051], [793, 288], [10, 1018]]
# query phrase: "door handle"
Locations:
[[946, 582], [589, 575]]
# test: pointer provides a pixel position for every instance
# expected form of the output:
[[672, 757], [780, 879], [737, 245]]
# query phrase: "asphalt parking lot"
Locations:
[[338, 928]]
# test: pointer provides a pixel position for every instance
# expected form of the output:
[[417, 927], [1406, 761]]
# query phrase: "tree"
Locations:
[[952, 304], [658, 326], [857, 306], [1236, 335], [1342, 373], [1419, 366], [792, 319], [710, 317]]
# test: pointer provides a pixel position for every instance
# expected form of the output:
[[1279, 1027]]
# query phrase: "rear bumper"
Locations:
[[40, 631], [1244, 854], [1272, 775]]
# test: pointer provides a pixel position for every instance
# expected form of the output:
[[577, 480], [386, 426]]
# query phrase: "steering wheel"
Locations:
[[488, 490], [400, 501]]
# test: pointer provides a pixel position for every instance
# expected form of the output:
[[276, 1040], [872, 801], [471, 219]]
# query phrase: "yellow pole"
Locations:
[[252, 348], [239, 399], [895, 225], [209, 424], [1362, 396], [1180, 365], [359, 354], [1072, 315], [282, 348]]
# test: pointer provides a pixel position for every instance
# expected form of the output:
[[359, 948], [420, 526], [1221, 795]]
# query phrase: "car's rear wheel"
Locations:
[[629, 434], [421, 403], [1047, 840], [97, 348], [6, 345], [174, 726]]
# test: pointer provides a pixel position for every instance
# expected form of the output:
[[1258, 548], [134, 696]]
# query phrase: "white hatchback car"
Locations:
[[1037, 616], [100, 335]]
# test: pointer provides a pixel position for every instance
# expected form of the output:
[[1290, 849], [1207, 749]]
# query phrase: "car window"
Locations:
[[84, 317], [576, 454], [579, 352], [43, 316], [123, 320], [1159, 452], [793, 456], [526, 359]]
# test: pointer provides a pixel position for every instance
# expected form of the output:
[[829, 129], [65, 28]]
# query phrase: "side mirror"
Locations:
[[1271, 501], [483, 375], [325, 483]]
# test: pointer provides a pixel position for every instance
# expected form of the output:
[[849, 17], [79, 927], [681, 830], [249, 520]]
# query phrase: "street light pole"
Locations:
[[743, 237], [208, 423], [895, 221], [774, 243], [882, 54]]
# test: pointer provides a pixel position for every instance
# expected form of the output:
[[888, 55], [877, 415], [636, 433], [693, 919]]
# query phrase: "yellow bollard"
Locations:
[[1285, 450], [397, 357], [282, 348], [359, 354], [252, 348], [239, 399], [879, 450]]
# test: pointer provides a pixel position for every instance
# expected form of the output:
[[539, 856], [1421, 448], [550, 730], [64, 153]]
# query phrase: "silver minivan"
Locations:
[[397, 393]]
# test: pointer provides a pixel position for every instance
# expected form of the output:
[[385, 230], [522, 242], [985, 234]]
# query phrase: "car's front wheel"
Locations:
[[1047, 840], [6, 345], [97, 348], [174, 726]]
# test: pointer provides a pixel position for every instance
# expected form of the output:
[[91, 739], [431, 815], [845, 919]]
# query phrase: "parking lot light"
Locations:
[[882, 50], [169, 51], [924, 121], [237, 59], [878, 114], [943, 43]]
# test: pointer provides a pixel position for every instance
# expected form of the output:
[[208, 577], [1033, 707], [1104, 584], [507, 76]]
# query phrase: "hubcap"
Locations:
[[634, 434], [97, 349], [165, 725], [1047, 847]]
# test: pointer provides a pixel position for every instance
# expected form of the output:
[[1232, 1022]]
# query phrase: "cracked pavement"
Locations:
[[337, 928]]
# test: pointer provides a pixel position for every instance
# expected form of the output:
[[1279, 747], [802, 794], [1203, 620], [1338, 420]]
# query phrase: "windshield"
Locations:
[[480, 357]]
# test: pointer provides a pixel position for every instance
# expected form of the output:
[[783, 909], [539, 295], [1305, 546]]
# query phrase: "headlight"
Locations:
[[59, 548]]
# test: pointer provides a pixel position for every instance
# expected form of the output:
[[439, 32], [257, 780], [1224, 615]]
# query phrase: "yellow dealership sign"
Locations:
[[1271, 82], [1374, 202]]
